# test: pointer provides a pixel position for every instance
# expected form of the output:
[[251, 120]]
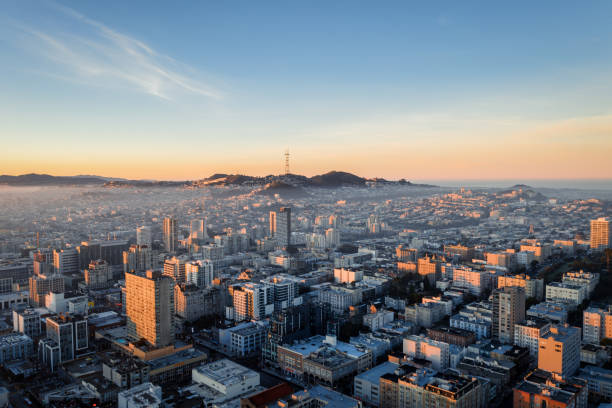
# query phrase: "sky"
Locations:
[[416, 90]]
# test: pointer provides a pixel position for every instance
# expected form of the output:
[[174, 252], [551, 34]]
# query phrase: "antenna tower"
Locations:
[[286, 162]]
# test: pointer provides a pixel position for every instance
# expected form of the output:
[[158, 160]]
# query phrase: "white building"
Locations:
[[377, 319], [476, 317], [424, 314], [444, 301], [582, 278], [528, 333], [346, 275], [228, 379], [145, 395], [476, 282], [199, 273], [285, 290], [252, 301], [565, 292], [340, 298], [244, 339], [423, 347], [366, 384]]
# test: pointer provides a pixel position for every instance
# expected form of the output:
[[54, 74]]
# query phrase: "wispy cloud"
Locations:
[[101, 56]]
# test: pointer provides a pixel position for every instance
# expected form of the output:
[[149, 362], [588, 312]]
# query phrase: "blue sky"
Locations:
[[180, 90]]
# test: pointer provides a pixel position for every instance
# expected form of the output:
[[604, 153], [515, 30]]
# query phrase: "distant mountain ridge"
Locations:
[[331, 179]]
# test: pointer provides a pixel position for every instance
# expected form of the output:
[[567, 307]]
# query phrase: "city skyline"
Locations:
[[477, 92]]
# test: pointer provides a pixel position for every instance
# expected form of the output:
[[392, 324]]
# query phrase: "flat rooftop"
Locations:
[[225, 372], [373, 375]]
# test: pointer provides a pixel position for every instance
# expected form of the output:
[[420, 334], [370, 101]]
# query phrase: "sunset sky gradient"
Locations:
[[451, 90]]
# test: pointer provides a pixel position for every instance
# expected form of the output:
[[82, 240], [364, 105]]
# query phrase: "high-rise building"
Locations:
[[40, 285], [284, 290], [199, 273], [70, 334], [332, 238], [98, 275], [175, 268], [66, 261], [252, 301], [601, 233], [138, 258], [373, 224], [280, 226], [27, 321], [197, 229], [559, 351], [508, 309], [150, 308], [144, 236], [170, 234]]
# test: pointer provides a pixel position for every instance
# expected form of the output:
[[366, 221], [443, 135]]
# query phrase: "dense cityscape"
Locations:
[[361, 293], [305, 204]]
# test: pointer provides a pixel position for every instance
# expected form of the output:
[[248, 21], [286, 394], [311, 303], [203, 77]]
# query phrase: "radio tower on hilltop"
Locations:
[[287, 162]]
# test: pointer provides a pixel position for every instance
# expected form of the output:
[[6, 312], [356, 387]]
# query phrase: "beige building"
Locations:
[[150, 308], [600, 233], [559, 350]]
